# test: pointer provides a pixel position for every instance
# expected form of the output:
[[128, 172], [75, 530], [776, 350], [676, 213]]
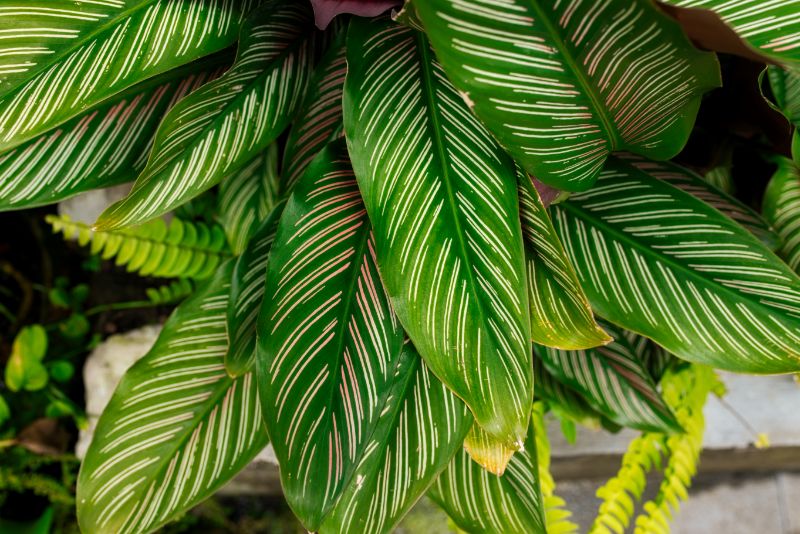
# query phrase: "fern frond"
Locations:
[[170, 293], [181, 249], [556, 514]]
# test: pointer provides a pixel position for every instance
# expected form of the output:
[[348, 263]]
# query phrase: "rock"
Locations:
[[86, 207]]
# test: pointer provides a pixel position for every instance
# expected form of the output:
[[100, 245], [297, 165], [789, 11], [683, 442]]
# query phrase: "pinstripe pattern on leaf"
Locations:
[[177, 427], [480, 502], [785, 87], [59, 58], [564, 84], [614, 381], [782, 209], [565, 402], [487, 452], [561, 316], [329, 342], [420, 429], [660, 262], [226, 123], [104, 146], [442, 199]]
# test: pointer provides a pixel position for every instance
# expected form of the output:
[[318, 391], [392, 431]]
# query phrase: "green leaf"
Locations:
[[329, 343], [769, 27], [226, 123], [480, 502], [562, 400], [561, 316], [24, 369], [782, 209], [562, 85], [59, 59], [442, 198], [653, 357], [103, 146], [660, 262], [247, 196], [247, 293], [420, 429], [177, 428], [614, 381], [785, 86], [5, 411]]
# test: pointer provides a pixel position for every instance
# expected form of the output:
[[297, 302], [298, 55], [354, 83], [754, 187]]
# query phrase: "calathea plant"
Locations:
[[384, 292]]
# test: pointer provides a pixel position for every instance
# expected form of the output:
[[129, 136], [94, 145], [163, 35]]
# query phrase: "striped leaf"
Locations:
[[565, 402], [104, 146], [614, 381], [563, 84], [782, 209], [442, 198], [785, 87], [225, 124], [320, 117], [561, 316], [247, 196], [177, 427], [480, 502], [329, 342], [770, 27], [661, 262], [420, 429], [247, 293], [59, 58]]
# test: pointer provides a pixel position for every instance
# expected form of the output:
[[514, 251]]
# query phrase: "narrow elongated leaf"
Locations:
[[59, 58], [785, 86], [614, 381], [247, 293], [177, 427], [480, 502], [420, 429], [104, 146], [782, 209], [329, 342], [564, 84], [656, 260], [562, 400], [770, 27], [561, 316], [225, 124], [442, 198]]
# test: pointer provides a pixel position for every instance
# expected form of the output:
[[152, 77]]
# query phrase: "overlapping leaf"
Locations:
[[656, 260], [225, 124], [782, 209], [614, 381], [177, 427], [442, 199], [785, 87], [561, 316], [480, 502], [59, 58], [563, 401], [562, 85]]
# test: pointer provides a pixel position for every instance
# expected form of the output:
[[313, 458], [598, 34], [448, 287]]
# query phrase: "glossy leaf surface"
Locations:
[[782, 209]]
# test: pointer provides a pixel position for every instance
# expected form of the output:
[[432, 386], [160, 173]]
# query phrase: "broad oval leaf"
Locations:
[[442, 199], [660, 262], [561, 316], [480, 502], [59, 58], [104, 146], [782, 209], [329, 342], [177, 427], [226, 123], [562, 85]]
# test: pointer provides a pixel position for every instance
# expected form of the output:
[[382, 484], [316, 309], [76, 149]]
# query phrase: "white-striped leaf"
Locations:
[[561, 316], [442, 199], [785, 87], [247, 293], [564, 84], [565, 402], [782, 209], [661, 262], [479, 502], [420, 429], [247, 196], [329, 342], [320, 117], [654, 358], [177, 427], [59, 58], [226, 123], [770, 27], [104, 146], [614, 381]]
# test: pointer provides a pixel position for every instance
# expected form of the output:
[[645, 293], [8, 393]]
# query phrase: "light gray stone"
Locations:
[[86, 207]]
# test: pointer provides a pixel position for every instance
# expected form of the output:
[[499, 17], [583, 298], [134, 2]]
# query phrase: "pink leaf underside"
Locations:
[[548, 194], [326, 10]]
